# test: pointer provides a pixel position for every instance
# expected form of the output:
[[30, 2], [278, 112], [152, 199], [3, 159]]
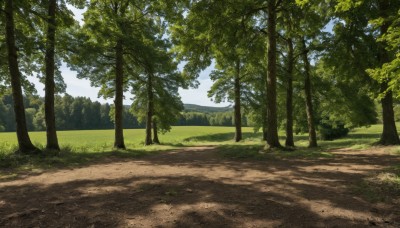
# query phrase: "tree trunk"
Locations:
[[289, 96], [238, 115], [52, 141], [312, 136], [272, 121], [264, 131], [119, 96], [155, 133], [24, 142], [389, 134], [150, 107]]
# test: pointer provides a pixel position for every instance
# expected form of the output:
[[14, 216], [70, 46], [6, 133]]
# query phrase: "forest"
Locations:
[[309, 140], [296, 65], [80, 113]]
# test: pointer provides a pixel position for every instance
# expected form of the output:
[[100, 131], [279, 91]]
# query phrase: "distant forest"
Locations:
[[80, 113]]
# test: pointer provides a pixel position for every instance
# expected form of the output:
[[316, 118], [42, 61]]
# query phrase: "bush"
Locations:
[[329, 132]]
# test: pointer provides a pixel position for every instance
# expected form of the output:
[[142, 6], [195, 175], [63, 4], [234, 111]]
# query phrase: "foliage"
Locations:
[[329, 132], [80, 113], [205, 109], [159, 66], [390, 70]]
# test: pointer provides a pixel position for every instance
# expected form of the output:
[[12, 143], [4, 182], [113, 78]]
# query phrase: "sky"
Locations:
[[82, 87]]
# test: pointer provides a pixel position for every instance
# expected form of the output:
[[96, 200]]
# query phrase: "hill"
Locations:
[[205, 109]]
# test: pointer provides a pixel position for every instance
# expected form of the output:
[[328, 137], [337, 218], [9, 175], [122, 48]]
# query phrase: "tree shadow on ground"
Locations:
[[17, 165], [204, 190], [349, 140], [145, 200], [221, 137]]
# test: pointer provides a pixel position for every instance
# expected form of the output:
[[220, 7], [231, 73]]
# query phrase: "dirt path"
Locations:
[[194, 187]]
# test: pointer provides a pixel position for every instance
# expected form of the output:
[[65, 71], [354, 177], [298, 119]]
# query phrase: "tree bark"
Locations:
[[155, 133], [289, 96], [272, 121], [119, 96], [238, 115], [51, 133], [150, 107], [264, 130], [24, 143], [389, 134], [312, 136]]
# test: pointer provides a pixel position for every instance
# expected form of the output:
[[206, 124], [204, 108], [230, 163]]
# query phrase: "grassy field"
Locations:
[[79, 147], [102, 140]]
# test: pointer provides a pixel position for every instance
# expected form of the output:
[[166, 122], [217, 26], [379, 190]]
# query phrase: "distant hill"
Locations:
[[199, 108]]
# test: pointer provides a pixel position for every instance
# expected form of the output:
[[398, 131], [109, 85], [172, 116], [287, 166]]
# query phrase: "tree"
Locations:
[[389, 70], [229, 33], [385, 12], [51, 134], [102, 58], [155, 89], [309, 105], [359, 19], [227, 83], [272, 119], [24, 143]]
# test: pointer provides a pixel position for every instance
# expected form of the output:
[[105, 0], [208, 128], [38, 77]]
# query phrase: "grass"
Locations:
[[257, 152], [134, 138], [381, 187], [82, 147]]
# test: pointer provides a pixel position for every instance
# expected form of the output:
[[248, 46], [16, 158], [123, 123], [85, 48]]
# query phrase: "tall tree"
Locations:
[[389, 134], [51, 134], [101, 59], [289, 23], [155, 133], [228, 84], [117, 35], [226, 32], [310, 21], [155, 87], [360, 17], [289, 93], [24, 143], [272, 118], [150, 109], [312, 141]]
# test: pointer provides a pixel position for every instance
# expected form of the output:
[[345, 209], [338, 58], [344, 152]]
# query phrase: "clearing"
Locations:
[[197, 187]]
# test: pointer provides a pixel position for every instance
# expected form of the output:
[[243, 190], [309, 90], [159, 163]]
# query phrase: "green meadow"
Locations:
[[98, 140], [102, 140]]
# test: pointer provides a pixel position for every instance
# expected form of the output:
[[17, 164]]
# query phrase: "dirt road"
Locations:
[[195, 187]]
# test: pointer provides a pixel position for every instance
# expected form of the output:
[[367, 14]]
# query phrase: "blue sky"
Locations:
[[81, 87]]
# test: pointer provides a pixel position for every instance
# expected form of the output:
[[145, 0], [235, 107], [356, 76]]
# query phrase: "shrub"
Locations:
[[329, 132]]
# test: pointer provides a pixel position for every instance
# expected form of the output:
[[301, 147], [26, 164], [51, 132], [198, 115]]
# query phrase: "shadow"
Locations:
[[156, 201], [350, 140], [15, 166], [222, 137], [196, 187], [363, 136]]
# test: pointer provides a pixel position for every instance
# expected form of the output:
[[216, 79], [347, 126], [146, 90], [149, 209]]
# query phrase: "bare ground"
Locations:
[[195, 187]]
